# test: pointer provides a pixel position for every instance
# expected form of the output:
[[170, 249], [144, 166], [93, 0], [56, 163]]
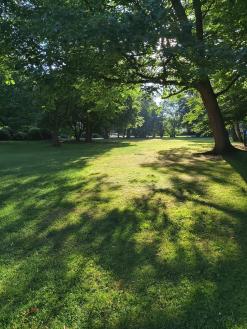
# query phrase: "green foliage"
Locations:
[[70, 47], [152, 121], [34, 133], [5, 133], [233, 103], [196, 115], [20, 135]]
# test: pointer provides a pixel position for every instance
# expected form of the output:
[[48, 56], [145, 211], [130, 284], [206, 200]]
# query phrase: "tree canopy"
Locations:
[[73, 50]]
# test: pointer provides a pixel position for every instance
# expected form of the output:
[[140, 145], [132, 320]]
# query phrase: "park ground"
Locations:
[[139, 234]]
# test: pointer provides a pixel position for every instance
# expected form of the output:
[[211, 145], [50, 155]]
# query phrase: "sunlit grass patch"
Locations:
[[130, 234]]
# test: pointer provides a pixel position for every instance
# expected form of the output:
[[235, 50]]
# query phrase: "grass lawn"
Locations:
[[122, 235]]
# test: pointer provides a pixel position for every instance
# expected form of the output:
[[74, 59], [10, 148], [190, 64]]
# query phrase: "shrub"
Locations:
[[96, 135], [34, 133], [20, 135], [45, 133], [5, 134]]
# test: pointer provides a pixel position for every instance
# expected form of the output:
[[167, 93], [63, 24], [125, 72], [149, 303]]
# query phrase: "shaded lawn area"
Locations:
[[131, 234]]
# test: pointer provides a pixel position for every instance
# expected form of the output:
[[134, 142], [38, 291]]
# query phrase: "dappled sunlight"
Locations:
[[76, 239]]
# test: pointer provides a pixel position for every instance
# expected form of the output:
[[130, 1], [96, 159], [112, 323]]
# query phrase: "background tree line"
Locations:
[[81, 67]]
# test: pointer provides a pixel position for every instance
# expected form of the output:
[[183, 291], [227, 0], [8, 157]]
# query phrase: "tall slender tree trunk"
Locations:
[[106, 134], [77, 135], [89, 133], [55, 139], [221, 138], [233, 134], [238, 132]]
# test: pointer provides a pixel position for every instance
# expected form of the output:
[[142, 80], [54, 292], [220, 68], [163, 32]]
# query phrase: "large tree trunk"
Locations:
[[221, 138]]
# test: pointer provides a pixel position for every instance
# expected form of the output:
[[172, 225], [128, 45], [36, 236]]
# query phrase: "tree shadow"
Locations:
[[82, 262], [238, 161]]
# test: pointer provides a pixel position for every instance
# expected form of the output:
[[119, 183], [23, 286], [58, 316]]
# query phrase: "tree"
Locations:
[[16, 103], [176, 44], [172, 118], [103, 106], [151, 118], [235, 110], [173, 43]]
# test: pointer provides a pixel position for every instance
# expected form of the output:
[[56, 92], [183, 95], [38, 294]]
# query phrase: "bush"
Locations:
[[96, 135], [63, 136], [34, 133], [5, 134], [45, 133], [20, 136]]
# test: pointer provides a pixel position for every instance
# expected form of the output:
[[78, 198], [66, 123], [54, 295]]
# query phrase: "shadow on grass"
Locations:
[[238, 161], [81, 263]]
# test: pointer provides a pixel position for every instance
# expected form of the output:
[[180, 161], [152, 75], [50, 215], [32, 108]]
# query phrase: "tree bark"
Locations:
[[233, 134], [77, 138], [238, 132], [55, 139], [128, 133], [88, 133], [77, 135], [106, 134], [221, 138]]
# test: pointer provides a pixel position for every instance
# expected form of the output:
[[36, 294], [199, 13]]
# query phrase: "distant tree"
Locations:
[[16, 107], [151, 120], [172, 118]]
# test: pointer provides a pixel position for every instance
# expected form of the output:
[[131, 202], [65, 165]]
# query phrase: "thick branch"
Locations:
[[144, 79], [228, 87], [176, 93], [183, 20], [180, 13], [199, 19]]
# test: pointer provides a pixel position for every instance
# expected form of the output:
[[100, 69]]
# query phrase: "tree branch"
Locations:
[[181, 15], [176, 93], [208, 9], [228, 87], [144, 79], [179, 11], [199, 19]]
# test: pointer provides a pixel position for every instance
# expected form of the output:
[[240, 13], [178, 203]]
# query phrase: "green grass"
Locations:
[[132, 234]]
